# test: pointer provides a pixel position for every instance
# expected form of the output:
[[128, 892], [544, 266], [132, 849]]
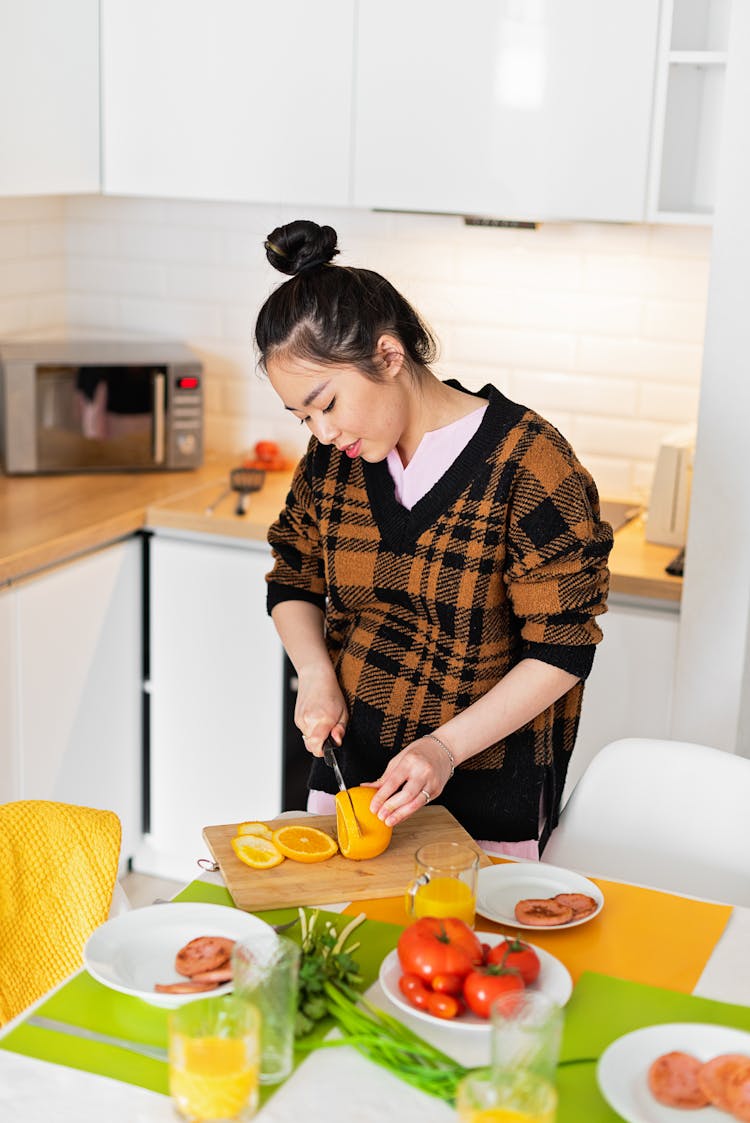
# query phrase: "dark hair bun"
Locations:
[[300, 245]]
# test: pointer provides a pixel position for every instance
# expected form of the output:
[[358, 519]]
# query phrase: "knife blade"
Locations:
[[154, 1051], [329, 756]]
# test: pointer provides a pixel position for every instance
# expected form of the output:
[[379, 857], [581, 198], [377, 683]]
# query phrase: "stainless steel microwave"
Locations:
[[94, 406]]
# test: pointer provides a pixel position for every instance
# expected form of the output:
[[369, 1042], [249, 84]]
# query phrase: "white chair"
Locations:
[[665, 814]]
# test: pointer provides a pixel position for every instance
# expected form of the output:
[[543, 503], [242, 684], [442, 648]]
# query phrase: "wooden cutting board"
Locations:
[[338, 878]]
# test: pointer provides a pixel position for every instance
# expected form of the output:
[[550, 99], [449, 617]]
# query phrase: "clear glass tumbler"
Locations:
[[213, 1059], [266, 972], [486, 1096], [526, 1033]]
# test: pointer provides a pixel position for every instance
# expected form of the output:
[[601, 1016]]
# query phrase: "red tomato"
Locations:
[[486, 949], [266, 450], [433, 946], [518, 956], [443, 1005], [447, 984], [482, 987], [413, 989]]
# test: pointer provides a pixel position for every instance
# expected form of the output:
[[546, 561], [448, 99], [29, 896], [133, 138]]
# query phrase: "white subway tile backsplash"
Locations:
[[675, 405], [513, 348], [640, 358], [577, 394], [680, 320], [599, 327]]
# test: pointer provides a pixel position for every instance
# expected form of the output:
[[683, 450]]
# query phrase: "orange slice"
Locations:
[[304, 844], [260, 853], [259, 829], [373, 836]]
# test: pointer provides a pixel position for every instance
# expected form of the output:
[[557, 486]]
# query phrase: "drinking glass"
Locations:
[[487, 1096], [213, 1059], [525, 1034], [265, 971], [446, 882]]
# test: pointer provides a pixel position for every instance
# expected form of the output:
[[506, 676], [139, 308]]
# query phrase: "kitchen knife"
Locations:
[[329, 756], [153, 1051]]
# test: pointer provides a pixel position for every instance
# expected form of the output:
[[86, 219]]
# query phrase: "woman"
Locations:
[[439, 563]]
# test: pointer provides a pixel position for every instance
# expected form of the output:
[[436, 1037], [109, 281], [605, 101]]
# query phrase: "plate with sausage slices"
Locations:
[[534, 895], [661, 1073], [172, 953]]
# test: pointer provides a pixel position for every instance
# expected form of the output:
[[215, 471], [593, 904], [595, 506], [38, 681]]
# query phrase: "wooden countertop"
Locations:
[[46, 520]]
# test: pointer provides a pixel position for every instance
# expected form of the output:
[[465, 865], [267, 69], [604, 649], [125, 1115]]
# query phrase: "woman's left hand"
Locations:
[[412, 779]]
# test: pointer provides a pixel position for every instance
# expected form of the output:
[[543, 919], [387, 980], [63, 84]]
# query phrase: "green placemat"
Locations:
[[602, 1009], [85, 1002]]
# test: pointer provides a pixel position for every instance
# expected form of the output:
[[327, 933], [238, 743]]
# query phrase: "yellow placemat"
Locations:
[[643, 935]]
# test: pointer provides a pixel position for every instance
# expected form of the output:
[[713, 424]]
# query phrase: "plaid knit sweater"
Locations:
[[504, 558]]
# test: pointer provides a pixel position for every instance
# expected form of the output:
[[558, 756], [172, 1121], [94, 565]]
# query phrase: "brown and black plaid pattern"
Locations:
[[505, 558]]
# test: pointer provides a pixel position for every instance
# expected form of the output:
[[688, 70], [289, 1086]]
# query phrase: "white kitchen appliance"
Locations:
[[669, 504]]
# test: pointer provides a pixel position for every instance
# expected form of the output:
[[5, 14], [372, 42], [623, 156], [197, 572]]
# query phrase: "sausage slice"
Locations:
[[581, 904], [543, 911], [673, 1080], [714, 1074], [190, 986], [204, 953], [737, 1090]]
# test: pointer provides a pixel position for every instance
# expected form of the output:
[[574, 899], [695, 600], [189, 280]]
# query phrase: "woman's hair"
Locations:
[[333, 313]]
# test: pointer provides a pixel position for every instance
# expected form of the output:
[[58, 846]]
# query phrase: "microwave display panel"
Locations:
[[97, 416]]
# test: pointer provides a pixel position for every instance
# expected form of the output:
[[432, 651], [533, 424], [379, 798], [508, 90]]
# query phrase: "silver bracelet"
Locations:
[[445, 749]]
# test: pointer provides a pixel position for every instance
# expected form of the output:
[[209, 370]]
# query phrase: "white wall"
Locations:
[[599, 327]]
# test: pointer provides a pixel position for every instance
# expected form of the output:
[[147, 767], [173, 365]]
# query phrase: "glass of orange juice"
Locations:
[[489, 1096], [213, 1059], [446, 882]]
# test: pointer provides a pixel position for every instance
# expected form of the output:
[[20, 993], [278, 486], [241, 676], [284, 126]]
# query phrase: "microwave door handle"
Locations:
[[160, 386]]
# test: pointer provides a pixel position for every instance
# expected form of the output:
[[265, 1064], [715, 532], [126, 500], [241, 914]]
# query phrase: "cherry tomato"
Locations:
[[443, 1005], [433, 946], [414, 990], [483, 986], [517, 955], [486, 949], [447, 984]]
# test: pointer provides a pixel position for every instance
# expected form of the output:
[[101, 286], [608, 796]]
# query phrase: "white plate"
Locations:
[[553, 979], [499, 888], [623, 1068], [137, 949]]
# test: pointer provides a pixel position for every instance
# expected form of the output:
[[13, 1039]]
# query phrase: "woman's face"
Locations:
[[341, 406]]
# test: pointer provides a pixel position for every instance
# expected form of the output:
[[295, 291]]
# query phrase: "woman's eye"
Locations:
[[330, 406]]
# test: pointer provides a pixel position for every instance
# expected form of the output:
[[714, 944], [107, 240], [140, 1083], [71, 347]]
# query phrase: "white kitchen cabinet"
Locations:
[[228, 100], [524, 111], [688, 103], [49, 97], [630, 688], [215, 696], [78, 689]]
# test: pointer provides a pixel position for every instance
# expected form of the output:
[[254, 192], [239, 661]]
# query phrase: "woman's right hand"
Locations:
[[321, 708]]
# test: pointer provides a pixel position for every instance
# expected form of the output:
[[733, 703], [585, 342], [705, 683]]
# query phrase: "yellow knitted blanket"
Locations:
[[58, 868]]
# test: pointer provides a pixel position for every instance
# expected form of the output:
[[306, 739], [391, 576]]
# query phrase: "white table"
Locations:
[[326, 1084]]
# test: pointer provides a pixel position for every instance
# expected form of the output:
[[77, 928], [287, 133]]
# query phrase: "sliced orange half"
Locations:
[[369, 836], [259, 829], [260, 853], [304, 844]]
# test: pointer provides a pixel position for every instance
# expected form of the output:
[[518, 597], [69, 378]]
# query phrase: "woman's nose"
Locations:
[[326, 430]]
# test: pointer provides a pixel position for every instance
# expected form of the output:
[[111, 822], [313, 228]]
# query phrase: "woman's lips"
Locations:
[[353, 450]]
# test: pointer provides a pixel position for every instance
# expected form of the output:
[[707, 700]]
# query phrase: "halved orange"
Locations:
[[259, 829], [373, 836], [304, 844], [260, 853]]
